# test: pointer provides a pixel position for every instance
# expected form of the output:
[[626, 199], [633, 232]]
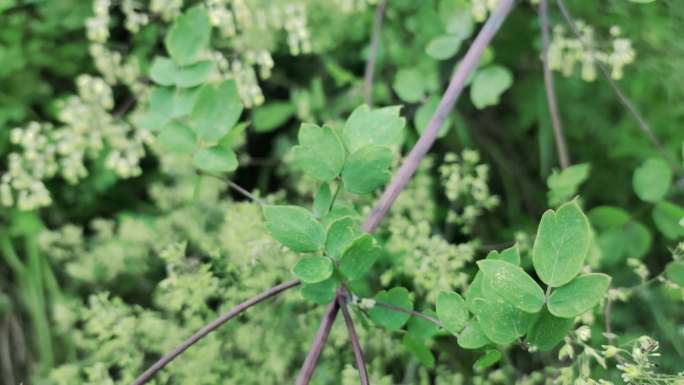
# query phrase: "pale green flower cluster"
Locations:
[[465, 182], [88, 130], [565, 52]]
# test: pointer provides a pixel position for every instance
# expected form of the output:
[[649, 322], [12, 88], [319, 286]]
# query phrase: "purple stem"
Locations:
[[356, 345], [559, 136], [170, 356], [373, 52], [458, 82], [309, 366]]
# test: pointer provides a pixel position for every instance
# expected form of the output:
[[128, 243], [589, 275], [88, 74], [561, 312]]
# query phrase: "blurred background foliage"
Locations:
[[172, 255]]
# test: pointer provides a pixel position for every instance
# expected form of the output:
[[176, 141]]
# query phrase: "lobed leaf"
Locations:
[[578, 296], [294, 227]]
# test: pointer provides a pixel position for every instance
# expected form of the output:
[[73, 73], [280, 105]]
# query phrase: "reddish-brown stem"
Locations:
[[232, 313], [641, 121], [311, 360], [356, 344], [373, 52], [411, 312], [559, 136], [456, 85]]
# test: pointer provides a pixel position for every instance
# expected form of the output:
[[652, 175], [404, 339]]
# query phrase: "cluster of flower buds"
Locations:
[[166, 9], [97, 26], [565, 52], [134, 18]]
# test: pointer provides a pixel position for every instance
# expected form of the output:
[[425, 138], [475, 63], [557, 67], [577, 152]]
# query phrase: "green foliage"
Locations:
[[391, 319], [313, 269], [359, 257], [294, 227], [579, 295], [652, 180], [547, 330], [452, 311], [511, 283], [561, 245], [188, 36], [320, 153], [488, 84], [563, 185]]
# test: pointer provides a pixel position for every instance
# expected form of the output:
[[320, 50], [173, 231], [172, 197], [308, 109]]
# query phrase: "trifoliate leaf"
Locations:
[[313, 269], [513, 284], [341, 233], [391, 319], [667, 217], [510, 255], [562, 244], [367, 169], [409, 84], [652, 180], [443, 47], [675, 272], [216, 159], [382, 127], [563, 185], [456, 17], [488, 85], [578, 296], [188, 36], [165, 72], [452, 311], [419, 350], [472, 336], [320, 153], [169, 102], [359, 257], [490, 358], [271, 116], [177, 138], [547, 330], [294, 227], [216, 110]]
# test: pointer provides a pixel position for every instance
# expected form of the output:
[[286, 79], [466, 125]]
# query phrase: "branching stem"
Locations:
[[356, 345], [411, 312], [232, 313], [311, 360]]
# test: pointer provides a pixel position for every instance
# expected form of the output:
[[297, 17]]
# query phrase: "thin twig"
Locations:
[[311, 360], [458, 82], [243, 191], [411, 312], [643, 124], [232, 313], [373, 52], [356, 345], [559, 136]]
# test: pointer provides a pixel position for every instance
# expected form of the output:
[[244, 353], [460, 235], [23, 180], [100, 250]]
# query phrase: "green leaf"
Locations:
[[474, 294], [322, 201], [456, 17], [510, 255], [382, 127], [215, 159], [178, 138], [563, 185], [313, 269], [341, 233], [513, 284], [322, 292], [603, 217], [294, 227], [652, 180], [165, 72], [367, 169], [391, 319], [409, 84], [488, 85], [216, 110], [422, 329], [443, 47], [472, 336], [169, 103], [452, 311], [424, 113], [188, 36], [501, 322], [359, 257], [320, 153], [419, 350], [548, 330], [490, 358], [675, 272], [271, 116], [667, 217], [578, 296], [562, 244]]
